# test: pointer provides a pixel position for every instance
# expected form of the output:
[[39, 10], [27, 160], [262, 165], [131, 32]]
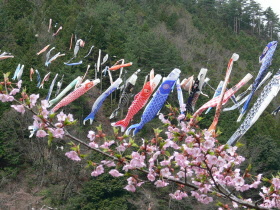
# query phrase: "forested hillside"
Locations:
[[153, 34]]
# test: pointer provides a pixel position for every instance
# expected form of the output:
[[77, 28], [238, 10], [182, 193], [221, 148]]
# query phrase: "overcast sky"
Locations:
[[274, 4]]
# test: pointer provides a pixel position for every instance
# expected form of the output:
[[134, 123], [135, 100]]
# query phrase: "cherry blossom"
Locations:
[[41, 133], [19, 108], [73, 156], [115, 173]]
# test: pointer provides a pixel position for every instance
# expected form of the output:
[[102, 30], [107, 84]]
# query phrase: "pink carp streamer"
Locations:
[[50, 25], [139, 101], [31, 73], [60, 28], [71, 41], [43, 50], [45, 79], [215, 101], [86, 86], [213, 126]]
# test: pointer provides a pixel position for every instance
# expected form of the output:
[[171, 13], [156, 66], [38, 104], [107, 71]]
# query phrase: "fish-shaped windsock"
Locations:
[[59, 84], [269, 92], [86, 86], [90, 50], [265, 59], [213, 126], [215, 101], [79, 43], [126, 94], [139, 102], [53, 58], [275, 112], [98, 60], [187, 84], [217, 93], [50, 25], [31, 73], [16, 72], [99, 101], [180, 97], [105, 58], [6, 55], [51, 88], [38, 78], [116, 67], [49, 54], [157, 101], [74, 64], [239, 103], [196, 90], [46, 78], [43, 50], [20, 72], [60, 28], [65, 90]]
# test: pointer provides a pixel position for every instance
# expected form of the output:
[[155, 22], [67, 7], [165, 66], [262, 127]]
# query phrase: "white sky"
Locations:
[[274, 4]]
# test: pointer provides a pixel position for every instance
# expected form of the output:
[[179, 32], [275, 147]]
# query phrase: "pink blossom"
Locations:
[[220, 162], [181, 174], [45, 113], [130, 188], [139, 184], [276, 183], [244, 187], [19, 84], [41, 133], [120, 148], [165, 172], [162, 119], [209, 144], [44, 104], [255, 184], [61, 116], [99, 170], [3, 97], [234, 204], [58, 133], [107, 144], [10, 98], [91, 135], [93, 144], [58, 125], [19, 108], [151, 177], [178, 195], [165, 163], [231, 150], [73, 155], [161, 183], [169, 143], [189, 139], [131, 180], [238, 181], [115, 173], [108, 163], [181, 117], [33, 99], [206, 200], [70, 117], [212, 159], [14, 91], [137, 160]]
